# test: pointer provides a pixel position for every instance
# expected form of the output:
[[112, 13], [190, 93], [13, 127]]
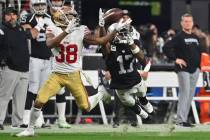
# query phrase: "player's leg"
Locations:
[[141, 93], [30, 98], [49, 89], [129, 101], [35, 67], [79, 92], [61, 106], [44, 74]]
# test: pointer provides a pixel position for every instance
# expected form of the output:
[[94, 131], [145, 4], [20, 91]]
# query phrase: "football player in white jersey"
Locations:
[[40, 64], [67, 39]]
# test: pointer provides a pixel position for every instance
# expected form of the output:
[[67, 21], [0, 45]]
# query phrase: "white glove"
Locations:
[[121, 24], [130, 40], [71, 26], [101, 21], [48, 21], [40, 24]]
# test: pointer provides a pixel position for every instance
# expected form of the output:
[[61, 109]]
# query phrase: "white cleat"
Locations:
[[143, 114], [148, 107], [63, 124], [29, 132]]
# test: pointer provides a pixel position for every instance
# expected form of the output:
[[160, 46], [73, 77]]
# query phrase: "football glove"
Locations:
[[130, 39], [101, 21], [48, 21], [40, 24], [121, 24], [71, 26]]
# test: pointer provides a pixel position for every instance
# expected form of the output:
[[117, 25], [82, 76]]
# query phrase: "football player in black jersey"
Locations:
[[40, 62], [121, 54]]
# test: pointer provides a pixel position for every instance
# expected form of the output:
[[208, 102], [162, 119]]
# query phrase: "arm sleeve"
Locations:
[[28, 34]]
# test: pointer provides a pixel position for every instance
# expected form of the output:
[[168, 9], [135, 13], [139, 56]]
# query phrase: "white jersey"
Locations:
[[68, 55]]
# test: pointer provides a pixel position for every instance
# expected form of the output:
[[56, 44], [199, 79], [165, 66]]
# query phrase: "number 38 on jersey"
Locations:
[[67, 54]]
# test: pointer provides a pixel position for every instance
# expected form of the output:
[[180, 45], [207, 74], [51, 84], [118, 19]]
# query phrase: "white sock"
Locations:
[[93, 100], [40, 120], [26, 116], [35, 112], [61, 111]]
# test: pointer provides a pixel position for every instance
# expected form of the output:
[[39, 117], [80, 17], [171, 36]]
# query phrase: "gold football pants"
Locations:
[[72, 81]]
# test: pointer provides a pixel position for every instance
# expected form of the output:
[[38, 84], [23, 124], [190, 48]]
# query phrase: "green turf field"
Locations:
[[106, 132], [114, 136]]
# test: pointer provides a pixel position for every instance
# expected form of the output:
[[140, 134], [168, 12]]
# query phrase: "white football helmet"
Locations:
[[38, 7], [123, 35], [56, 4]]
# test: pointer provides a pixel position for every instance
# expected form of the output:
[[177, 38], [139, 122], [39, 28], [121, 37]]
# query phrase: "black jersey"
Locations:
[[38, 45], [187, 47], [102, 81], [14, 47], [123, 67]]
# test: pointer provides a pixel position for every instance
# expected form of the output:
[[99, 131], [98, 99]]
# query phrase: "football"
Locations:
[[113, 15]]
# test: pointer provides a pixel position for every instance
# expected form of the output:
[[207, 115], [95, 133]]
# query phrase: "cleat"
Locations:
[[23, 126], [115, 125], [134, 124], [1, 127], [46, 125], [185, 124], [29, 132], [148, 107], [63, 124]]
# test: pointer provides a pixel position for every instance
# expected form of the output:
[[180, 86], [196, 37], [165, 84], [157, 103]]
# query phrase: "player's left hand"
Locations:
[[101, 21], [144, 75], [40, 24], [130, 40]]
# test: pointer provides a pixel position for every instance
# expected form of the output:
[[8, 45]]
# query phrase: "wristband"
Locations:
[[136, 50]]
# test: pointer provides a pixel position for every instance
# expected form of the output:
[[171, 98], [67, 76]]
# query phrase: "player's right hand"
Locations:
[[121, 24], [48, 21], [40, 24], [71, 26], [130, 39]]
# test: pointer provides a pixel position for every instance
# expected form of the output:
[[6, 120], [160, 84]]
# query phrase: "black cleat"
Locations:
[[23, 126], [185, 124], [115, 125], [44, 125], [134, 124], [1, 127]]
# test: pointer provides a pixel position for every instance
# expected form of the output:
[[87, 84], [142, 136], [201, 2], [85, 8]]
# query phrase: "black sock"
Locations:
[[143, 100]]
